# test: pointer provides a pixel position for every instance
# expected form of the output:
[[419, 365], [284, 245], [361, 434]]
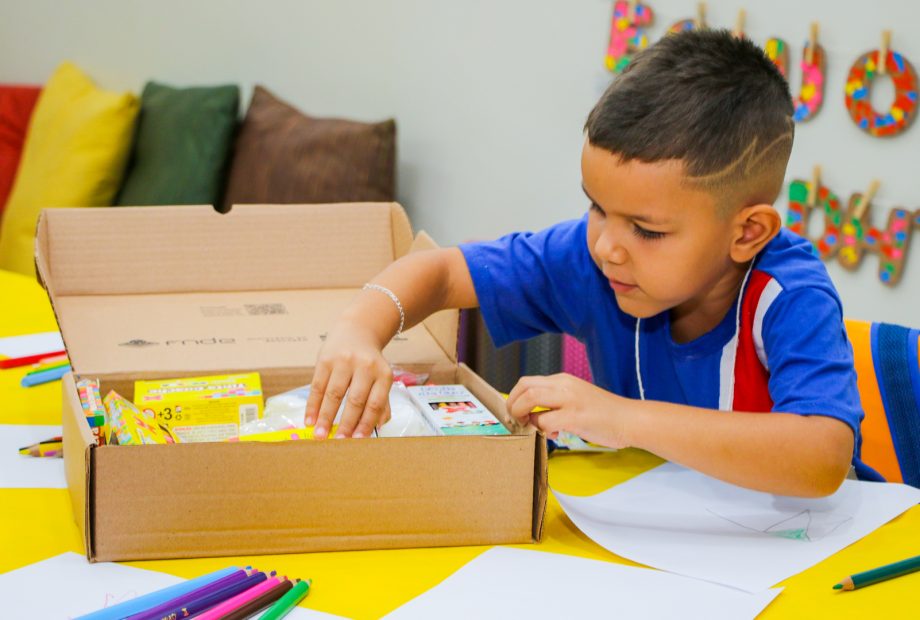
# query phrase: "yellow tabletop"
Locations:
[[36, 524]]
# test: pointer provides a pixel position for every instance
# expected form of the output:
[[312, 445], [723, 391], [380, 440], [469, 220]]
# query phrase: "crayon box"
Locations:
[[209, 408]]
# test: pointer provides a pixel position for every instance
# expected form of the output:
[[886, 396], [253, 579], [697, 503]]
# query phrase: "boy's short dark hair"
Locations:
[[710, 99]]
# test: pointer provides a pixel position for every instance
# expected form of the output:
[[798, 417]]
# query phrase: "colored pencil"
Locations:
[[239, 600], [882, 573], [135, 605], [204, 589], [45, 376], [44, 367], [54, 359], [49, 449], [201, 603], [15, 362], [286, 603], [261, 602]]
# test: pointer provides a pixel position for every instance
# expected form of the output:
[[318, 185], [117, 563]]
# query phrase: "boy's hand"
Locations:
[[350, 361], [575, 406]]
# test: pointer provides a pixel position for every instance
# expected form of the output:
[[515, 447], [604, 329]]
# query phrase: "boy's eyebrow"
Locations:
[[637, 218]]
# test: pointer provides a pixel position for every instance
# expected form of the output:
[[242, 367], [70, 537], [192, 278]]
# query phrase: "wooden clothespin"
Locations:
[[866, 200], [631, 14], [739, 24], [812, 44], [814, 187], [883, 52], [700, 22]]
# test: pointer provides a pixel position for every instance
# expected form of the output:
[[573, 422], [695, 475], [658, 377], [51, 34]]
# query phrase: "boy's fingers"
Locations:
[[533, 397], [523, 384], [332, 398], [355, 401], [377, 407], [550, 422], [317, 389]]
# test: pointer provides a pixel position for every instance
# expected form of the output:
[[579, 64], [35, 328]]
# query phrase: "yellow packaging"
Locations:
[[287, 434], [128, 426], [202, 408]]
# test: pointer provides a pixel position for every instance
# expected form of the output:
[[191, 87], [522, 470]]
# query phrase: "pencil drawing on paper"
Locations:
[[805, 525]]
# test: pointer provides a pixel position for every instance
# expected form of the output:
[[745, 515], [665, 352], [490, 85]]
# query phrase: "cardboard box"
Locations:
[[154, 292]]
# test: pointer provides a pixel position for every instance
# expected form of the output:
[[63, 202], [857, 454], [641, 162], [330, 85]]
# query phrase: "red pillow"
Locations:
[[16, 104]]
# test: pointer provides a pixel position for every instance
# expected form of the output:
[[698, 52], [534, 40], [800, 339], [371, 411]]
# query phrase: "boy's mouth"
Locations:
[[621, 287]]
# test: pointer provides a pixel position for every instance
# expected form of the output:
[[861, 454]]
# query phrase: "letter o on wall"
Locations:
[[898, 117]]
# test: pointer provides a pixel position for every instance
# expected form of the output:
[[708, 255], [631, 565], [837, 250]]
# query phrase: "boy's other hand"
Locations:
[[575, 406], [350, 366]]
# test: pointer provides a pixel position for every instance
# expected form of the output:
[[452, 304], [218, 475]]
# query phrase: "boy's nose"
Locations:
[[610, 250]]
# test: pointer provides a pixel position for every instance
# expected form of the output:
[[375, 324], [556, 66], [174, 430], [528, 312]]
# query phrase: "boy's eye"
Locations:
[[597, 209], [649, 235]]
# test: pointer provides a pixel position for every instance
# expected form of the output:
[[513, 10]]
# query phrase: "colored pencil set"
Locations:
[[228, 594], [46, 367]]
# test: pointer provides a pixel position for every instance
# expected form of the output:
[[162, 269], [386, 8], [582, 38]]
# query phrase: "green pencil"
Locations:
[[882, 573], [286, 603]]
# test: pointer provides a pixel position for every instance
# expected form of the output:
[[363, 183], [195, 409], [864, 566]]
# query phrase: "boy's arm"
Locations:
[[351, 357], [781, 453]]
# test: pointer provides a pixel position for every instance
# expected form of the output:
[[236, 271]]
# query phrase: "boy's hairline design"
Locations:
[[747, 162]]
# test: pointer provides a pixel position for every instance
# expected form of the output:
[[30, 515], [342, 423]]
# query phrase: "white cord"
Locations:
[[391, 295], [735, 337], [638, 371]]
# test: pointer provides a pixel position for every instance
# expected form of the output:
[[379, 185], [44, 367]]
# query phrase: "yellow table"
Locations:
[[38, 523]]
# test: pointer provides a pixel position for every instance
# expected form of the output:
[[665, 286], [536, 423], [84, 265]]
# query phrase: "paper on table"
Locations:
[[28, 472], [681, 521], [31, 344], [80, 588], [513, 583]]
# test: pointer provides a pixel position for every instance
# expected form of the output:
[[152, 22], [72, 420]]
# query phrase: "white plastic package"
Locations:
[[287, 410]]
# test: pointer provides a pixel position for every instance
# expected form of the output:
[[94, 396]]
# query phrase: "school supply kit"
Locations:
[[156, 336]]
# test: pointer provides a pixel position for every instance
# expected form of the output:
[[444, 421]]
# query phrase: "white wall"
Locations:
[[490, 96]]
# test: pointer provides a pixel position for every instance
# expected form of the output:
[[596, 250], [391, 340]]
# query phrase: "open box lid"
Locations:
[[185, 288]]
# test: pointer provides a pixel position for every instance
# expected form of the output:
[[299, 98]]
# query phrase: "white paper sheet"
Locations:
[[514, 583], [80, 588], [681, 521], [31, 344], [28, 472]]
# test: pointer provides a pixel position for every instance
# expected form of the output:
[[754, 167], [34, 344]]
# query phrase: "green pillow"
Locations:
[[184, 136]]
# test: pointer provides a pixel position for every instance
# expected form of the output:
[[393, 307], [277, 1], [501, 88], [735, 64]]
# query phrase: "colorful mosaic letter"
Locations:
[[899, 116], [627, 34]]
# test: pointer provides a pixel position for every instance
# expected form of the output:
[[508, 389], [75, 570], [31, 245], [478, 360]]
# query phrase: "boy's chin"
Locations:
[[639, 309]]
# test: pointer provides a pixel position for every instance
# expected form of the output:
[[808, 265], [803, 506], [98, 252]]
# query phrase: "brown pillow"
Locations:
[[285, 156]]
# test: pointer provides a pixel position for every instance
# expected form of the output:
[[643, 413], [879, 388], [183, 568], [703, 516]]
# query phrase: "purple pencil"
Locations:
[[203, 603], [215, 586]]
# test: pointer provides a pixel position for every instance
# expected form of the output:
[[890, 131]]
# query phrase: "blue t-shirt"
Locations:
[[791, 354]]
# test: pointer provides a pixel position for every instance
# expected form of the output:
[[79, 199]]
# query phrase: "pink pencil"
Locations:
[[239, 600]]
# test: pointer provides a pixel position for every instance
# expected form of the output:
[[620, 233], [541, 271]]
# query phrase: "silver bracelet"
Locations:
[[391, 295]]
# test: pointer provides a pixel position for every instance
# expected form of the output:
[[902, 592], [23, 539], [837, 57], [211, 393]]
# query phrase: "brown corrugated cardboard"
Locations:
[[179, 291]]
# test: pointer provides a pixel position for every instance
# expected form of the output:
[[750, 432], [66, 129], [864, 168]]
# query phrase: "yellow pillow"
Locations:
[[74, 156]]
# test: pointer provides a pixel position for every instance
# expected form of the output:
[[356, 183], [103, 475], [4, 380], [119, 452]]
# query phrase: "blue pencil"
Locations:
[[147, 601], [45, 376]]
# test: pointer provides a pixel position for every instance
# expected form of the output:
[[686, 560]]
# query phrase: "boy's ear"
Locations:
[[753, 228]]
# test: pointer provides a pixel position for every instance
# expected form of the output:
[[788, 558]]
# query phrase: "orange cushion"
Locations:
[[16, 104]]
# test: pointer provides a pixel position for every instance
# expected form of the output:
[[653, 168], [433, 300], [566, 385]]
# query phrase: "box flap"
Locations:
[[159, 289]]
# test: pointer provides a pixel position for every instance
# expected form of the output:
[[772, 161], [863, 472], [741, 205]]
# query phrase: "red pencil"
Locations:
[[15, 362]]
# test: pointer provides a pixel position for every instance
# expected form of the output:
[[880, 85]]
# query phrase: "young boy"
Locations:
[[715, 336]]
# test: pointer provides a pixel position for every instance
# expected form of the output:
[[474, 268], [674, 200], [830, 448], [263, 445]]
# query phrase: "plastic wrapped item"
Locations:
[[405, 418], [286, 411], [408, 378]]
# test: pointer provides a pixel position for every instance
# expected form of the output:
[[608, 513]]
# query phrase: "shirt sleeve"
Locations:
[[810, 357], [531, 283]]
